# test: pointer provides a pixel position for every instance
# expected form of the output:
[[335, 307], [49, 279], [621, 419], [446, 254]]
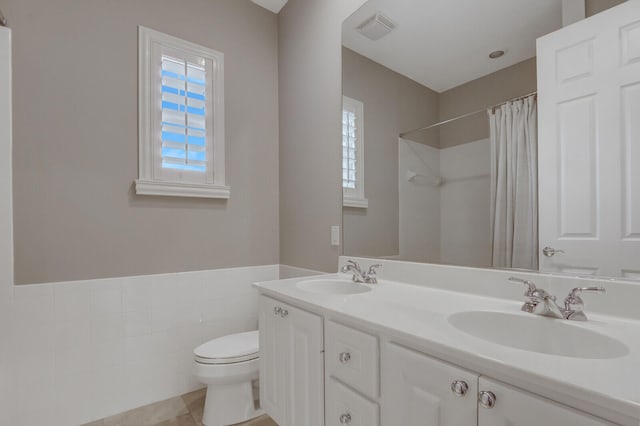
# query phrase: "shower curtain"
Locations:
[[514, 184]]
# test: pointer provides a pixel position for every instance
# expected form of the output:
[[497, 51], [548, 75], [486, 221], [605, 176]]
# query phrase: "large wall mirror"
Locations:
[[441, 158]]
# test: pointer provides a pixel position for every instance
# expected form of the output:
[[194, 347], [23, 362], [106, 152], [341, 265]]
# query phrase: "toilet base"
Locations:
[[229, 404]]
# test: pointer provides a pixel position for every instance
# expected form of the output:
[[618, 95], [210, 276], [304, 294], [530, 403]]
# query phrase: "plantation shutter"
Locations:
[[184, 123]]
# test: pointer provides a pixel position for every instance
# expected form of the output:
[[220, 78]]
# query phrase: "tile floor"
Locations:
[[185, 410]]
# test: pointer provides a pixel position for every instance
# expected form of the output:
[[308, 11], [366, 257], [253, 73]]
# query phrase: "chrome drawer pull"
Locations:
[[284, 313], [344, 357], [459, 387], [277, 310], [487, 399], [345, 419]]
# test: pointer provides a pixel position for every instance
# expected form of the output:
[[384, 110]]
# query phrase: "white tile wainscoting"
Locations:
[[74, 352]]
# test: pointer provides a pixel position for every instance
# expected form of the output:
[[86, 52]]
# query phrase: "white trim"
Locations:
[[180, 189], [361, 203], [150, 180]]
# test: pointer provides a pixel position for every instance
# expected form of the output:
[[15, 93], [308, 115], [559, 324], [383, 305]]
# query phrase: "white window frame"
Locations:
[[152, 178], [354, 197]]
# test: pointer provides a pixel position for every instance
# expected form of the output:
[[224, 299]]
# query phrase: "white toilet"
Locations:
[[229, 367]]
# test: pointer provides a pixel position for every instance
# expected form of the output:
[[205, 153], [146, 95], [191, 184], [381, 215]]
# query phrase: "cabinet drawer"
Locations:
[[352, 357], [346, 407]]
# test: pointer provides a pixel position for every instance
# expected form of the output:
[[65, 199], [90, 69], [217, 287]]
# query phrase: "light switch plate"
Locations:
[[335, 235]]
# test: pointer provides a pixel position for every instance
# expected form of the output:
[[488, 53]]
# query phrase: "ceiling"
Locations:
[[445, 43], [273, 5]]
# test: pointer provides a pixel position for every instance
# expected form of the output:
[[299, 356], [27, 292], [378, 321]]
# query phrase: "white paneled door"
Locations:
[[589, 145], [291, 364], [419, 390]]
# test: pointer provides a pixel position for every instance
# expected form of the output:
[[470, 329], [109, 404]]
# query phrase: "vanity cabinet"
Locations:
[[315, 372], [418, 389], [291, 364]]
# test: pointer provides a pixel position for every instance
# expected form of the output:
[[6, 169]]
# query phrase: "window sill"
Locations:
[[359, 203], [179, 189]]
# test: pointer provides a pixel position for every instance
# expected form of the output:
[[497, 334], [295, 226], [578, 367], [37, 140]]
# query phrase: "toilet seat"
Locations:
[[235, 348]]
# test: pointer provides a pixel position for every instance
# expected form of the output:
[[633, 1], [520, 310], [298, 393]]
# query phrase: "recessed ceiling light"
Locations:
[[496, 54]]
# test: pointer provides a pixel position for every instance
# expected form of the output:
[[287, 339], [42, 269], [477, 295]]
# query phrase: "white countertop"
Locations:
[[418, 316]]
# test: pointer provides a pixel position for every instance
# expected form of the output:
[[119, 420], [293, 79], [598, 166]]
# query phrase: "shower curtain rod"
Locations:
[[469, 114]]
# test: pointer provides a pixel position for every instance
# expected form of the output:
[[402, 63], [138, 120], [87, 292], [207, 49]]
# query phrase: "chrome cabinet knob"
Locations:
[[459, 387], [345, 419], [277, 310], [550, 251], [487, 399], [284, 313], [344, 357]]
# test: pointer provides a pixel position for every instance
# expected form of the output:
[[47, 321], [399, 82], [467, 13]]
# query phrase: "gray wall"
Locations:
[[393, 103], [310, 33], [596, 6], [516, 80], [75, 141]]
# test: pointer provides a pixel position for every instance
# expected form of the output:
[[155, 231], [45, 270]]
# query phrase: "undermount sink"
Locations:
[[538, 334], [333, 286]]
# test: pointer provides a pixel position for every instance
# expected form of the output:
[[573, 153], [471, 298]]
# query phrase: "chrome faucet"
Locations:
[[359, 276], [540, 302], [574, 305]]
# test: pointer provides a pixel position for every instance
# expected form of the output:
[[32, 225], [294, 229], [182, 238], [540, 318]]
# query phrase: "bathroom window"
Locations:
[[181, 118], [353, 153]]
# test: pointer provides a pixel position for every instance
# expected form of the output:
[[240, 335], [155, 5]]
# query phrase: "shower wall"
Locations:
[[419, 202], [448, 223], [465, 237]]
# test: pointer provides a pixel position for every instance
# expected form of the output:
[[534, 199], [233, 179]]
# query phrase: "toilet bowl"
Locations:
[[229, 367]]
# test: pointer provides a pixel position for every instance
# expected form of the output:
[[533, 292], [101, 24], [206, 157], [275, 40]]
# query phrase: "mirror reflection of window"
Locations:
[[353, 153]]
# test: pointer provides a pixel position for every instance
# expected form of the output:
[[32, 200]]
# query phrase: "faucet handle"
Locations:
[[355, 264], [574, 300], [351, 265], [532, 286], [574, 305], [370, 276], [372, 269]]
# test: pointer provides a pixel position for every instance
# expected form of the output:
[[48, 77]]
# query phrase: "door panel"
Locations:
[[305, 363], [272, 367], [416, 390]]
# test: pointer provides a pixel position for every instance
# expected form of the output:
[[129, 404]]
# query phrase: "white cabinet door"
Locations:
[[417, 390], [291, 364], [305, 368], [514, 407], [272, 365], [589, 144]]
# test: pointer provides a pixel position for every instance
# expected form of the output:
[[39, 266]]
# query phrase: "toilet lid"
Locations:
[[229, 349]]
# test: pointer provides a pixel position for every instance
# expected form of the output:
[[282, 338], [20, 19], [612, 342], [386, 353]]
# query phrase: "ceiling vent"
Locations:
[[376, 27]]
